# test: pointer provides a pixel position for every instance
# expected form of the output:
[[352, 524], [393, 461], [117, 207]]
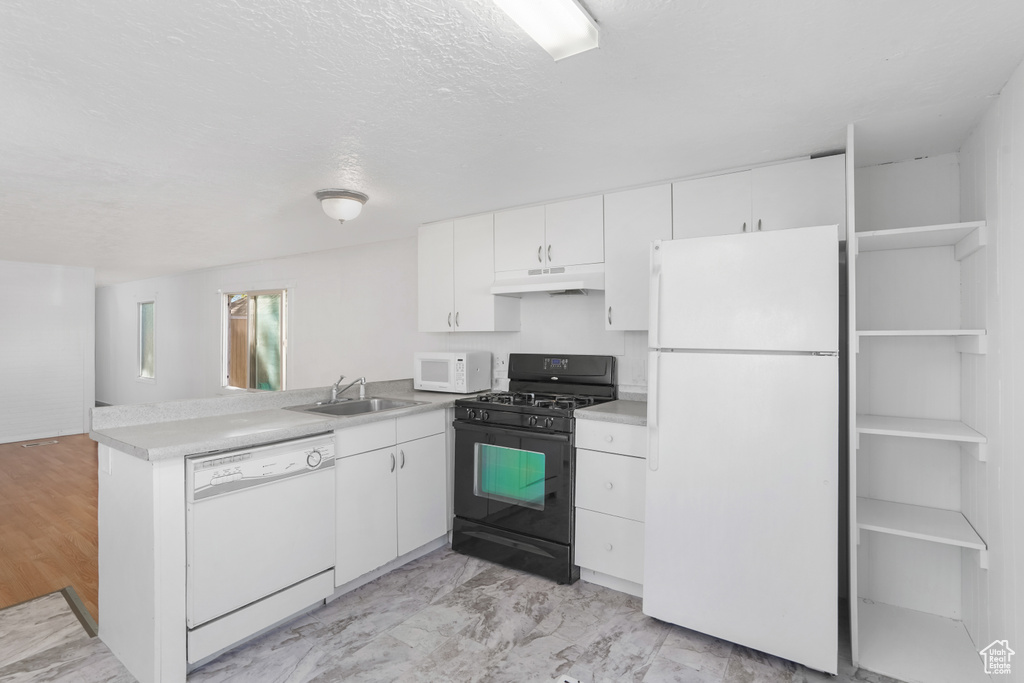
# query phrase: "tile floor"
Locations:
[[448, 618]]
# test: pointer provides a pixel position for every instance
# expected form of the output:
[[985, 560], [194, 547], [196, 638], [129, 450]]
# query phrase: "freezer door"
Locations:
[[742, 500], [769, 291]]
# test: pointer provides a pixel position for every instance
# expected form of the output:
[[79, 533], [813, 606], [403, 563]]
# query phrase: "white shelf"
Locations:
[[967, 238], [916, 647], [915, 521], [967, 341], [921, 333], [918, 428]]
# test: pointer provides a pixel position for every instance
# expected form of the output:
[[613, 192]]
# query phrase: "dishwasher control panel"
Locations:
[[211, 475]]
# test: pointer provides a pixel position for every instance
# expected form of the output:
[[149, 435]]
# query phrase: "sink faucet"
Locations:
[[335, 391]]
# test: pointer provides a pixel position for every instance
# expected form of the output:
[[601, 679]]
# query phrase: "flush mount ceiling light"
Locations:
[[562, 27], [341, 205]]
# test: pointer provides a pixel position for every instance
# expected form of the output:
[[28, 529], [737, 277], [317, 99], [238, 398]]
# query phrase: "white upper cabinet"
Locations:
[[519, 239], [719, 205], [436, 276], [575, 232], [456, 271], [561, 234], [796, 194], [800, 194], [632, 220]]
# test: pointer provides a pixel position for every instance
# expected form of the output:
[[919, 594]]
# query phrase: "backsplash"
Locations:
[[562, 324]]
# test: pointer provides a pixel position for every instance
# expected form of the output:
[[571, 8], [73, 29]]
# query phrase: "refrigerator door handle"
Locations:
[[652, 412], [655, 294]]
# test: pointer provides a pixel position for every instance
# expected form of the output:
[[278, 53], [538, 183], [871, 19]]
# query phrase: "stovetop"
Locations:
[[534, 399]]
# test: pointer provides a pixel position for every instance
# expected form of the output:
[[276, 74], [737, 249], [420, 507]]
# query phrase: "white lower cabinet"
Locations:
[[391, 491], [610, 486]]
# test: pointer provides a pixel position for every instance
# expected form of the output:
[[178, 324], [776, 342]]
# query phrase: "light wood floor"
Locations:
[[48, 530]]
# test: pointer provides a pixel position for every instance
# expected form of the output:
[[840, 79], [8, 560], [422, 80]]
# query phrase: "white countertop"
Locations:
[[623, 412], [159, 440]]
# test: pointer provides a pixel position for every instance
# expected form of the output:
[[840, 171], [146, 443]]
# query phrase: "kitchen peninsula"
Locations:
[[143, 562]]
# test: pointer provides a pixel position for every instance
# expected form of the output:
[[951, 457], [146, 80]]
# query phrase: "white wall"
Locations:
[[992, 188], [351, 311], [46, 343]]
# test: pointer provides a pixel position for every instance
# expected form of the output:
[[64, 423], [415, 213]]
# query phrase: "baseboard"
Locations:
[[613, 582], [366, 578]]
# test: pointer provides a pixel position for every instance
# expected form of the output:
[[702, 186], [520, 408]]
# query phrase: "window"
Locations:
[[255, 340], [147, 334]]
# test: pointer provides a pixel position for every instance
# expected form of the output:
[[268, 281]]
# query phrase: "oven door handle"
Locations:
[[491, 429]]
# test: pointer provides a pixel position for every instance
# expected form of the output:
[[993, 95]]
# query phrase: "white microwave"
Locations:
[[457, 372]]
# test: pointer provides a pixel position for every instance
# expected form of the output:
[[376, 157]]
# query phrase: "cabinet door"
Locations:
[[367, 513], [474, 273], [800, 194], [574, 231], [422, 492], [519, 239], [435, 280], [632, 220], [719, 205]]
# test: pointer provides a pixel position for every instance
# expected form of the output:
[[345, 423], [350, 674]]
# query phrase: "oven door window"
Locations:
[[510, 475]]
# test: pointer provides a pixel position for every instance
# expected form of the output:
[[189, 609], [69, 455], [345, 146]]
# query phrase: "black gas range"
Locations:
[[515, 462]]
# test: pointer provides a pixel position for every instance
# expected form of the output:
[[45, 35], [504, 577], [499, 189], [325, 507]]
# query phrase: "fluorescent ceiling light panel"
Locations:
[[562, 27]]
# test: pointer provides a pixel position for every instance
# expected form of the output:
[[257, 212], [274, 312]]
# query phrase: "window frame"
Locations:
[[139, 341], [223, 302]]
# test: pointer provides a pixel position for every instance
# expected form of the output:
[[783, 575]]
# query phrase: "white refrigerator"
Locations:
[[741, 531]]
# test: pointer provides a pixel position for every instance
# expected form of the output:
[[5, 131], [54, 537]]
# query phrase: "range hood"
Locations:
[[561, 280]]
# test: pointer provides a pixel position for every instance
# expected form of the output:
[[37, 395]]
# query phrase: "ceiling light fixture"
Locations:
[[341, 205], [562, 27]]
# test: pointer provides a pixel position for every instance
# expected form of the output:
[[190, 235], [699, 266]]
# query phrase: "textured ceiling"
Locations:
[[144, 138]]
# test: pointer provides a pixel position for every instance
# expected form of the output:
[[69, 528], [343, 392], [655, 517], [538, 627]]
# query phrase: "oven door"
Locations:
[[515, 479]]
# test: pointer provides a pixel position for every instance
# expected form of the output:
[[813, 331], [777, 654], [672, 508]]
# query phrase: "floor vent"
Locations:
[[567, 679], [39, 443]]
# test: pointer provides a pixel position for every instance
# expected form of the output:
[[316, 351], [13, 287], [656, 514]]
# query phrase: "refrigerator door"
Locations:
[[769, 291], [742, 500]]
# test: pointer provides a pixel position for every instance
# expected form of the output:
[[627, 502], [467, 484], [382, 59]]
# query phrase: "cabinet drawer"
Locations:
[[420, 425], [612, 437], [367, 437], [610, 545], [610, 483]]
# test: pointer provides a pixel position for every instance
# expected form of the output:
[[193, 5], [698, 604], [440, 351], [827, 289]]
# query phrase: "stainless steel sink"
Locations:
[[356, 407]]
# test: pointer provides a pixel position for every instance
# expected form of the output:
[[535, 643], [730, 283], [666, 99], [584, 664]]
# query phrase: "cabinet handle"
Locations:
[[608, 438], [608, 486], [549, 252], [609, 315], [456, 318], [449, 318], [540, 250], [392, 462], [608, 546], [744, 226], [759, 225], [402, 466]]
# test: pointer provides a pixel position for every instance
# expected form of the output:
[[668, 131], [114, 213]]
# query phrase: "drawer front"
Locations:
[[610, 483], [367, 437], [612, 437], [419, 425], [610, 545]]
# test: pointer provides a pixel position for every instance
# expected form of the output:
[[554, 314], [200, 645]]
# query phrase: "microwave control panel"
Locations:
[[460, 370]]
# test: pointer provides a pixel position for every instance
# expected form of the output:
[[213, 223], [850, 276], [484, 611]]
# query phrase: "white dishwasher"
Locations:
[[260, 539]]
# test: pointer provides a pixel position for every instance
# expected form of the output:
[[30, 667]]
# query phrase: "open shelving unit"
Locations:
[[899, 639]]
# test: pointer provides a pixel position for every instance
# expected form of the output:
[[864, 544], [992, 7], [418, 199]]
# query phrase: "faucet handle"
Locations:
[[339, 380]]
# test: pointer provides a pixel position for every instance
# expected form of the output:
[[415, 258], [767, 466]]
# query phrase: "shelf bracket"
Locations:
[[975, 450], [983, 559], [974, 241], [973, 344]]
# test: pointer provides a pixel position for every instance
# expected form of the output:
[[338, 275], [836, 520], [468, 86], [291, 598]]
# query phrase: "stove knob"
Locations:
[[470, 414], [532, 421], [548, 422]]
